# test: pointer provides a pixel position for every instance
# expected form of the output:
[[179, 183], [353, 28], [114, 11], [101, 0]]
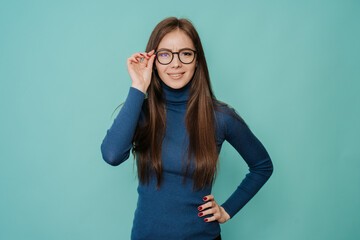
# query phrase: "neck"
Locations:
[[176, 96]]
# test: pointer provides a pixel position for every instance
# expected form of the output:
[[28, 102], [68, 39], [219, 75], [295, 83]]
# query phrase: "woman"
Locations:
[[176, 127]]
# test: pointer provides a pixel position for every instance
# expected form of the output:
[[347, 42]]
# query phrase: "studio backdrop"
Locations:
[[289, 68]]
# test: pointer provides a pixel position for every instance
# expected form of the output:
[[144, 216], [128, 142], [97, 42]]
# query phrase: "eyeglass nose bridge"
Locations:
[[172, 59]]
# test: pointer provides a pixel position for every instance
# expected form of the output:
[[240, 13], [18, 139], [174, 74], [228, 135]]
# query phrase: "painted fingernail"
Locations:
[[148, 55], [205, 198], [199, 208], [141, 54], [200, 214], [205, 219]]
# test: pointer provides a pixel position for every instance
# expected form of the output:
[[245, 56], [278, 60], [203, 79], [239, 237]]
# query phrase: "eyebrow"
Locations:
[[171, 50]]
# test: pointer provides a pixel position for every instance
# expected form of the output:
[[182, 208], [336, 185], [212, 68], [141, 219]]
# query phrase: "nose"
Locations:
[[176, 61]]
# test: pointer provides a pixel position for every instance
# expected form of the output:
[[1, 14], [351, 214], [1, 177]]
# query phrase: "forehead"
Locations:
[[176, 40]]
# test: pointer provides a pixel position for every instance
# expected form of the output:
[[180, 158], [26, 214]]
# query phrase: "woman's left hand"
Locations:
[[218, 212]]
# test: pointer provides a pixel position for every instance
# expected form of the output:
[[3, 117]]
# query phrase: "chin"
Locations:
[[176, 84]]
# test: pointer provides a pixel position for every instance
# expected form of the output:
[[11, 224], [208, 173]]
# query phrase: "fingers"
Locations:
[[210, 201], [149, 58], [151, 62], [208, 197], [207, 205], [207, 212], [135, 58], [211, 207], [210, 219], [214, 209]]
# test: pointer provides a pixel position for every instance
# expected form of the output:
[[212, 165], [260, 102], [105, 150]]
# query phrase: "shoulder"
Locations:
[[226, 114], [227, 120]]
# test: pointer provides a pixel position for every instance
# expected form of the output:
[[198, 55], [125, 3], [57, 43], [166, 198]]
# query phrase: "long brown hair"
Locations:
[[200, 116]]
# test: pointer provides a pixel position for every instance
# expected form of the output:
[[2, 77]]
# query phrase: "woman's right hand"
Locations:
[[140, 72]]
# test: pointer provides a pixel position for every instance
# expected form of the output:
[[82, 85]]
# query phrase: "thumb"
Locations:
[[151, 61]]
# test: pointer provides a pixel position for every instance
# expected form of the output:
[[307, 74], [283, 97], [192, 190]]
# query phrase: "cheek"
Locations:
[[192, 69], [160, 68]]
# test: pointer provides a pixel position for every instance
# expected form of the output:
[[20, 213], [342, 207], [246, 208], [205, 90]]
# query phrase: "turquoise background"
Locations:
[[290, 68]]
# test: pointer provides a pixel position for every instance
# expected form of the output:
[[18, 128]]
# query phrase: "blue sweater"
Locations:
[[171, 212]]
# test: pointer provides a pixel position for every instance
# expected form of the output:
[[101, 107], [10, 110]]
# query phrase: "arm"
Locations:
[[256, 157], [115, 147]]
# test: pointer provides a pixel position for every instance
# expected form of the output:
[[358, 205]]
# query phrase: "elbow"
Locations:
[[270, 168], [264, 168], [112, 158]]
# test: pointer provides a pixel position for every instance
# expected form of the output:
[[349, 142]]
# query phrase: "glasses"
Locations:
[[185, 56]]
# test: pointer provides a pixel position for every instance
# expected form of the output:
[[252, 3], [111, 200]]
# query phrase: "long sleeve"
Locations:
[[256, 157], [115, 147]]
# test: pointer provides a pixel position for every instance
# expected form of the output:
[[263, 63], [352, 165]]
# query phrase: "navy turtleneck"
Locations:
[[176, 96], [173, 208]]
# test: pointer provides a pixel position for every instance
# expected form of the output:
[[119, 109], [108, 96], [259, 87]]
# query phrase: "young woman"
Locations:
[[175, 127]]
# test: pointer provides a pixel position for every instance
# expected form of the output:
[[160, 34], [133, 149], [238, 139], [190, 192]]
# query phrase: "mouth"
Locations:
[[176, 75]]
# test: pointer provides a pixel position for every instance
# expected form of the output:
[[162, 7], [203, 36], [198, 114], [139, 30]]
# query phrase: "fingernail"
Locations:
[[141, 54], [200, 214], [205, 219], [199, 208], [148, 55], [205, 198]]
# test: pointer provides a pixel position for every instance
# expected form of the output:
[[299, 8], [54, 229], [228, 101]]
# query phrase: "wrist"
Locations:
[[227, 216], [139, 87]]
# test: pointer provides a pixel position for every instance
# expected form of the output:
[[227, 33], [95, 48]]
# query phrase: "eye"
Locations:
[[164, 54], [187, 53]]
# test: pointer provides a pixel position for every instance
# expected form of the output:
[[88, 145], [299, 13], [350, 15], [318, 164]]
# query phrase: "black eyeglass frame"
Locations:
[[172, 55]]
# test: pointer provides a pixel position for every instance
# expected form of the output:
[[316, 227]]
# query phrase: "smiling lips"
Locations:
[[176, 75]]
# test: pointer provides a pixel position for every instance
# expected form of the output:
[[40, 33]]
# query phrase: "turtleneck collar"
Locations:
[[176, 96]]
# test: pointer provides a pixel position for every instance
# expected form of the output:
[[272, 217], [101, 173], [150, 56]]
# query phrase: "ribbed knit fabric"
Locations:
[[171, 212]]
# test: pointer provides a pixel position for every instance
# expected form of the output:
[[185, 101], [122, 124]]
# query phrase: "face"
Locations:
[[175, 41]]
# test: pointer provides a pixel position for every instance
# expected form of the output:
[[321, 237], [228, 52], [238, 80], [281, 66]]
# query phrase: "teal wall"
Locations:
[[290, 68]]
